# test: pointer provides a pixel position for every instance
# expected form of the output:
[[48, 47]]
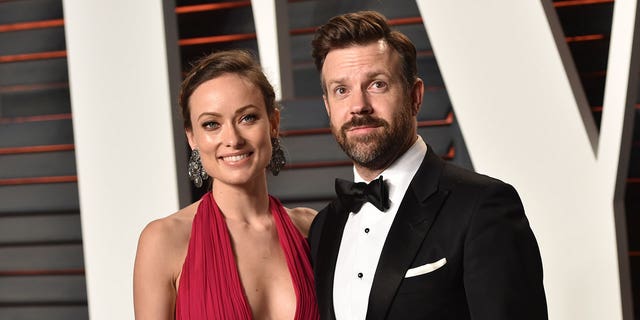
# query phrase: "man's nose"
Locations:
[[360, 102]]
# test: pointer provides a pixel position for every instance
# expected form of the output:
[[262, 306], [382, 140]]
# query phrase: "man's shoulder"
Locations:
[[330, 207], [318, 220], [455, 176], [315, 230]]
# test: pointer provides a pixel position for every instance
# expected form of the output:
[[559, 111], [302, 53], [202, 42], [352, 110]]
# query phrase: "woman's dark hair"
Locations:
[[238, 62]]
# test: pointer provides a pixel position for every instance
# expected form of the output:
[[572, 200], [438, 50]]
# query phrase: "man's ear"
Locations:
[[326, 104], [417, 93]]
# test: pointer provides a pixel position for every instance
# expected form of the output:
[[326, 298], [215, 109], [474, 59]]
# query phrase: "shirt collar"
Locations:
[[399, 174]]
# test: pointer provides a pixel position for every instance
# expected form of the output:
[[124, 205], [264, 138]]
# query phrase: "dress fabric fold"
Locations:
[[210, 286]]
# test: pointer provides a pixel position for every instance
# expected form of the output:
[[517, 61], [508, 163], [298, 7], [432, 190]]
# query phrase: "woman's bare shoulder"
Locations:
[[167, 238], [170, 228], [302, 218]]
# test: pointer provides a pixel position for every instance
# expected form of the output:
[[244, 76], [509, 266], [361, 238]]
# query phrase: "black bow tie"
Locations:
[[354, 195]]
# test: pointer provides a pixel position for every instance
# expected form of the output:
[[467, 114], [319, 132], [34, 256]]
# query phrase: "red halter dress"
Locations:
[[210, 286]]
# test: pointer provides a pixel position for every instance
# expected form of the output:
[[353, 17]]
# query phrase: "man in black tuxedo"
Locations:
[[414, 237]]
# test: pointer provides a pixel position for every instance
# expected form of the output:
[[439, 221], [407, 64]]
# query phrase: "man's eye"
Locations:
[[340, 90], [379, 84]]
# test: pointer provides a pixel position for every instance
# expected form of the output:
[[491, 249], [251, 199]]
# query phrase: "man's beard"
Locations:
[[378, 149]]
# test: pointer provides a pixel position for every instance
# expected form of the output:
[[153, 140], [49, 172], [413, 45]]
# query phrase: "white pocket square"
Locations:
[[425, 268]]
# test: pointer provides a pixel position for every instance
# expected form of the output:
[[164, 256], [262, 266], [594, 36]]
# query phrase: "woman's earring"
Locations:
[[196, 171], [277, 157]]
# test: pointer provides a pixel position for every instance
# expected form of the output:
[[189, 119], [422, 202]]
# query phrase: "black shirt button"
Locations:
[[360, 275], [366, 230]]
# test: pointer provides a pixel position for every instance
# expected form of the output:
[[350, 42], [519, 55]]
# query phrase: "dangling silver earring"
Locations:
[[196, 170], [277, 157]]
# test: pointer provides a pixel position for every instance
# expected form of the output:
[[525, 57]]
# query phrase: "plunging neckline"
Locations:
[[203, 294]]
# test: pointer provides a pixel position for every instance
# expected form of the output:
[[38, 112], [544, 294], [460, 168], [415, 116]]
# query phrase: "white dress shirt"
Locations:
[[365, 234]]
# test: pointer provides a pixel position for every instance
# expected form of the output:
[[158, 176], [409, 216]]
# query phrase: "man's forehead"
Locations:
[[367, 60]]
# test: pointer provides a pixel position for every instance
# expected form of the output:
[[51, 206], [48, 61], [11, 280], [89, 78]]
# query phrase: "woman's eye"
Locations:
[[210, 125], [249, 118]]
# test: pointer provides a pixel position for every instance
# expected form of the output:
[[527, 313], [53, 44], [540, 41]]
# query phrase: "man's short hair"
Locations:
[[362, 28]]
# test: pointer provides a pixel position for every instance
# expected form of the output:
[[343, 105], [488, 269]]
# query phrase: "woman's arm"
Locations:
[[154, 292]]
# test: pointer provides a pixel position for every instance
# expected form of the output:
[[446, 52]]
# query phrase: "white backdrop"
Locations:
[[123, 134], [525, 119]]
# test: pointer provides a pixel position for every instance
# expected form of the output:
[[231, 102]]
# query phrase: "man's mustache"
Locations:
[[365, 120]]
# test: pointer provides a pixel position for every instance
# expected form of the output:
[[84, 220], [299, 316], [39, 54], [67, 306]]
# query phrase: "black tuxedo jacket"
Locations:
[[493, 268]]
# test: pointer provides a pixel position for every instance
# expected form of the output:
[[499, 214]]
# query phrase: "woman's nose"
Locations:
[[231, 136]]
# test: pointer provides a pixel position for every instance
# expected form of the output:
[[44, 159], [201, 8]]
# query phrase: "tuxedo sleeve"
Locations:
[[502, 264]]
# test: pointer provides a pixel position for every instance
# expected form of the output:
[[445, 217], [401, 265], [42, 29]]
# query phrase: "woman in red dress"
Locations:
[[237, 253]]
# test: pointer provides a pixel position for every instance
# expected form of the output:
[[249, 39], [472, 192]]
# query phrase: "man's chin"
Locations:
[[364, 140], [364, 157]]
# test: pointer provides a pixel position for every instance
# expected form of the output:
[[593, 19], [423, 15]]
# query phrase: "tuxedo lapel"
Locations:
[[414, 218], [327, 255]]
